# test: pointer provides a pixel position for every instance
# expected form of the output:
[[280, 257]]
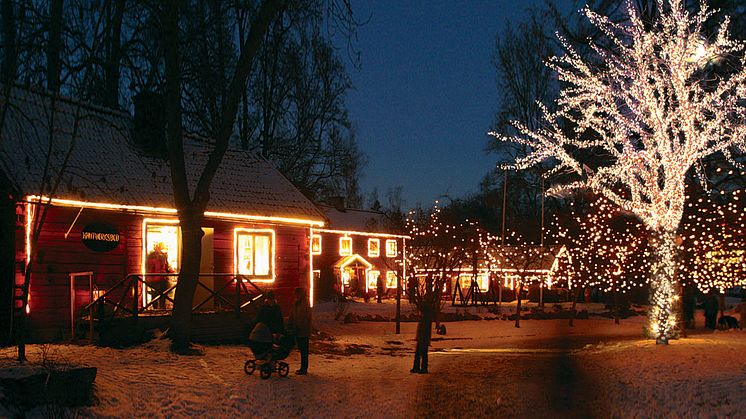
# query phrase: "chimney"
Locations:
[[337, 202], [149, 130]]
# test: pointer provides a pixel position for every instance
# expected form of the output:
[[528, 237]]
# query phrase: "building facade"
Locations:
[[91, 214], [355, 256]]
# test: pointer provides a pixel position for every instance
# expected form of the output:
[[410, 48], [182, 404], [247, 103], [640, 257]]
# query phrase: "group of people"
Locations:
[[355, 289], [270, 326]]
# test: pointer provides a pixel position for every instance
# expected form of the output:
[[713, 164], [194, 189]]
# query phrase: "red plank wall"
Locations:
[[58, 256]]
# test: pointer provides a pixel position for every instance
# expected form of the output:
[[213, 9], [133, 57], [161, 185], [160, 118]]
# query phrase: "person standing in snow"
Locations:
[[300, 323], [424, 333], [740, 308], [710, 307]]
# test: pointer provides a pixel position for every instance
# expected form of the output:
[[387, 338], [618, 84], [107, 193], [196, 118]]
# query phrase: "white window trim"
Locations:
[[341, 252], [256, 231], [321, 244], [377, 253], [396, 248]]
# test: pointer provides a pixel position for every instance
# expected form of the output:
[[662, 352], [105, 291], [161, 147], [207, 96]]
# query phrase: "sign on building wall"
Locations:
[[100, 237]]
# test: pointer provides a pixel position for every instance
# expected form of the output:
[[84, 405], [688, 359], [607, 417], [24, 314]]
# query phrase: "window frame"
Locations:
[[163, 222], [395, 252], [255, 232], [315, 237], [392, 277], [377, 252], [372, 284], [342, 252]]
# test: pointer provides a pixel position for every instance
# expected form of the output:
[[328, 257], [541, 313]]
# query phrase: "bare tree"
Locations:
[[521, 264], [191, 205], [9, 49]]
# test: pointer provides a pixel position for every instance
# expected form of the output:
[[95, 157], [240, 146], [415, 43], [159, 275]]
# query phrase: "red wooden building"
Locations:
[[101, 181], [354, 252]]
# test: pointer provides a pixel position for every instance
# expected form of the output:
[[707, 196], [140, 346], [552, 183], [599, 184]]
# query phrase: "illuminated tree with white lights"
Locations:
[[606, 249], [646, 104], [715, 242]]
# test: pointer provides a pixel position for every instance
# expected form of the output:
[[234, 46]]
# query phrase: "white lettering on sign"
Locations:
[[103, 237]]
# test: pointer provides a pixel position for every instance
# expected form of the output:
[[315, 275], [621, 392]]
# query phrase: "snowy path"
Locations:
[[479, 369]]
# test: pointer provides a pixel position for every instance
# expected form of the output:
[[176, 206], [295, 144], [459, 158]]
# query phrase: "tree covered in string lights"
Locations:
[[437, 251], [714, 242], [606, 249], [522, 263], [644, 103]]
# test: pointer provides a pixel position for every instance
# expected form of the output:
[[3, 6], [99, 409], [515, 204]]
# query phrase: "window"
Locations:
[[483, 281], [391, 250], [373, 279], [374, 247], [165, 239], [315, 244], [391, 279], [345, 246], [255, 253]]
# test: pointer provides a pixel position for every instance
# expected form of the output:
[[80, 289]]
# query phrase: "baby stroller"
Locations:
[[269, 356]]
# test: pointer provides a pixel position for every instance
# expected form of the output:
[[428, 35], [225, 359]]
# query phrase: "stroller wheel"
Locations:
[[283, 369], [265, 371], [249, 366]]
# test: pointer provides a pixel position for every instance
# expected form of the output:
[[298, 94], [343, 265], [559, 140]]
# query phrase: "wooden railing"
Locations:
[[126, 296]]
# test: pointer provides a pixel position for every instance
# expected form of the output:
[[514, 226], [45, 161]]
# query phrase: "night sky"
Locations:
[[425, 95]]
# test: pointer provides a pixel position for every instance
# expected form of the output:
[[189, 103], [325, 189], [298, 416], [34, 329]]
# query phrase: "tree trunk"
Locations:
[[616, 306], [54, 45], [518, 304], [662, 311], [10, 50], [191, 207], [191, 243]]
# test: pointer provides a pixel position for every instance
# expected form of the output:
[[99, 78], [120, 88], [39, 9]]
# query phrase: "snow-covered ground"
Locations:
[[479, 368]]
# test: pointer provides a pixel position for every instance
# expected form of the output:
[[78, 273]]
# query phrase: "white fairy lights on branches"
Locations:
[[606, 250], [715, 242], [647, 105]]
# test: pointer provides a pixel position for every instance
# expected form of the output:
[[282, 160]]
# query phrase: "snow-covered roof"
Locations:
[[105, 167], [355, 219]]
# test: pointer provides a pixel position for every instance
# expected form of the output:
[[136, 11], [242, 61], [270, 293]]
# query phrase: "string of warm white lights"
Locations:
[[440, 251], [714, 244], [605, 249], [648, 104]]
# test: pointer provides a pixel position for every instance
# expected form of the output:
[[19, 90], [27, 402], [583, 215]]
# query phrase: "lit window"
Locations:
[[374, 247], [391, 279], [483, 281], [345, 246], [255, 253], [315, 244], [162, 241], [373, 279], [391, 248]]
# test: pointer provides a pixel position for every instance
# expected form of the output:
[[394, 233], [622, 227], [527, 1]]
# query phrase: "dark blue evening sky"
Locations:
[[425, 95]]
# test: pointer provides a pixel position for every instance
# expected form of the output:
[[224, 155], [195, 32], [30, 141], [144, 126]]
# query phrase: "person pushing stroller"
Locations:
[[267, 341]]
